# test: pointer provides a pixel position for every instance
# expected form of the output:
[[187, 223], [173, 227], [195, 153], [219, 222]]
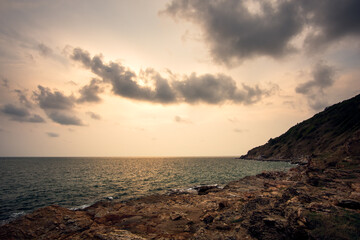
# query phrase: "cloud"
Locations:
[[72, 83], [64, 118], [94, 115], [23, 98], [44, 50], [5, 83], [57, 106], [214, 89], [179, 119], [89, 93], [123, 80], [20, 114], [15, 111], [322, 78], [331, 21], [237, 30], [207, 88], [53, 100], [52, 134], [234, 33]]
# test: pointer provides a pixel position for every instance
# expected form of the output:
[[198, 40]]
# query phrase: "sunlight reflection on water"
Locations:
[[29, 183]]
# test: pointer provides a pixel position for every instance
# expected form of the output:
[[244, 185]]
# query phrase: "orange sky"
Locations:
[[168, 78]]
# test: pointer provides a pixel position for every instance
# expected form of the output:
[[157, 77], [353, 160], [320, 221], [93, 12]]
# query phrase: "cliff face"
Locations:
[[333, 132]]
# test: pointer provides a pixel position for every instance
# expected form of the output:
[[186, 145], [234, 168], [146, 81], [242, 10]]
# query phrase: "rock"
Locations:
[[107, 233], [349, 204], [203, 190], [223, 205], [275, 221], [190, 227], [208, 219], [267, 227], [51, 222], [222, 227], [267, 206], [176, 216]]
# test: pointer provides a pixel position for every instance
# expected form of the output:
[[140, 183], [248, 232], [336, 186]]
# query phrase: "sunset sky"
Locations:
[[169, 78]]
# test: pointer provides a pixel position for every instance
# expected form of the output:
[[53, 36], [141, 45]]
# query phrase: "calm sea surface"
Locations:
[[30, 183]]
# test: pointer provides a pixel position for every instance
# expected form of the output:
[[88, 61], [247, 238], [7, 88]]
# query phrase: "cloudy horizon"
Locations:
[[169, 78]]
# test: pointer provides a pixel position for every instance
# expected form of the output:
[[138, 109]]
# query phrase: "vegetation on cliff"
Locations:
[[328, 138]]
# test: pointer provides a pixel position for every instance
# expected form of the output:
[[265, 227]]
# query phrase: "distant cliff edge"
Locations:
[[329, 138]]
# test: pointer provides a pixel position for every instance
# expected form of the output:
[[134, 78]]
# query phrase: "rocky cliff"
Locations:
[[327, 138]]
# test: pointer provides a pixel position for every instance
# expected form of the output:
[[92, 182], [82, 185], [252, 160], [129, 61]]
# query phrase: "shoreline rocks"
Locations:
[[299, 204]]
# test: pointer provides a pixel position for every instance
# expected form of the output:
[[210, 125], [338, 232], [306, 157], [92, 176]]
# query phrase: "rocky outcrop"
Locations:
[[326, 139], [56, 222], [304, 203]]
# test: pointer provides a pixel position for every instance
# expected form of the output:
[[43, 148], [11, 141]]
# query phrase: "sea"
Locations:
[[29, 183]]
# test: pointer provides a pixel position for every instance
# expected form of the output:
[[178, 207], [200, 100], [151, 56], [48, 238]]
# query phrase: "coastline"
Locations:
[[270, 205], [121, 178]]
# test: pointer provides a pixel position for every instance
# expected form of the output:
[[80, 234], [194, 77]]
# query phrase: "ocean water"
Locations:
[[30, 183]]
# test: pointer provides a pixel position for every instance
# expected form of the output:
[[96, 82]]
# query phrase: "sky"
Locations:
[[169, 78]]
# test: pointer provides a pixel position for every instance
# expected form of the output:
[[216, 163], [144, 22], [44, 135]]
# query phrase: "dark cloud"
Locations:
[[20, 114], [89, 93], [163, 91], [53, 100], [15, 111], [322, 78], [64, 118], [331, 21], [44, 50], [214, 89], [94, 115], [52, 134], [124, 81], [208, 88], [179, 119], [57, 106], [235, 31]]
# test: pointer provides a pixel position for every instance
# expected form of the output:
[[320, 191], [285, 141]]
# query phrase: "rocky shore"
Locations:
[[303, 203], [319, 199]]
